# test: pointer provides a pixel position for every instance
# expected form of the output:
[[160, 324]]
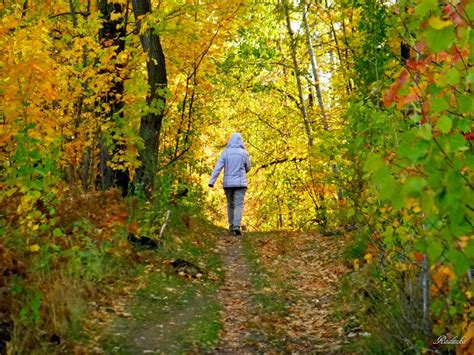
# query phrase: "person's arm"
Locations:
[[217, 170], [247, 161]]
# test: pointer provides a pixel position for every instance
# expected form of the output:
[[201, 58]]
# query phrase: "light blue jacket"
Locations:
[[236, 163]]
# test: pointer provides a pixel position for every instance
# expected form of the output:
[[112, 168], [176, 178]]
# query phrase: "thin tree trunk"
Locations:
[[150, 126], [314, 69], [302, 106], [78, 105], [426, 297], [317, 86], [319, 207], [342, 63]]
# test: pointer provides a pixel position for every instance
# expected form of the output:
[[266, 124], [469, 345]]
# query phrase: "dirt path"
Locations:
[[159, 327], [235, 300], [302, 273], [170, 309], [278, 295]]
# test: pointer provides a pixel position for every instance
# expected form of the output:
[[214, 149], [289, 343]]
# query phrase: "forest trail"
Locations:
[[295, 281], [278, 294], [235, 300]]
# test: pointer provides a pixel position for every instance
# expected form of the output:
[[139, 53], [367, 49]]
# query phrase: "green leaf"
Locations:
[[463, 125], [434, 250], [440, 40], [452, 76], [459, 261], [425, 6], [460, 229], [425, 132], [469, 10], [471, 39], [470, 77], [470, 160], [385, 182], [373, 163], [411, 147], [397, 199], [466, 103], [457, 142], [463, 35], [444, 124], [470, 248], [35, 155], [428, 203], [389, 238], [436, 306], [413, 186], [57, 232], [454, 182], [439, 104]]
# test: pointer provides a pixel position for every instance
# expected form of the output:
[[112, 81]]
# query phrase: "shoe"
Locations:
[[237, 231]]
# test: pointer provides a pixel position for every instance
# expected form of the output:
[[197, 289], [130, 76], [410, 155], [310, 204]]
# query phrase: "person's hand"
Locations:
[[210, 185]]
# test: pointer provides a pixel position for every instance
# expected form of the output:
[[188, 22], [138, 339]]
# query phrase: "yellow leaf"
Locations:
[[355, 263], [115, 16], [438, 24], [34, 248], [368, 258], [463, 241], [468, 336], [11, 191], [401, 267]]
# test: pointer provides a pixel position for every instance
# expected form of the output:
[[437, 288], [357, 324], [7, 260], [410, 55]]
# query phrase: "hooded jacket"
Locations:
[[235, 161]]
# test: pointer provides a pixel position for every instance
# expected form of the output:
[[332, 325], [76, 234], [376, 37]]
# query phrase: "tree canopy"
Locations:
[[355, 114]]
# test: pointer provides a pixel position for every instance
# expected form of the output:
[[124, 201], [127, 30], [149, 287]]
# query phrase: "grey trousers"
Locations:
[[235, 205]]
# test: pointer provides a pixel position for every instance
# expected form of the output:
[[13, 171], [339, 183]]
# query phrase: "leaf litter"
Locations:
[[303, 271]]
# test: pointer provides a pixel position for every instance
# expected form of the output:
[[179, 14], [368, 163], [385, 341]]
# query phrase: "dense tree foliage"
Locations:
[[355, 113]]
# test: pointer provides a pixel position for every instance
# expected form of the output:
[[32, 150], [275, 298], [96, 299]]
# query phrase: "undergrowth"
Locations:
[[75, 256], [381, 316]]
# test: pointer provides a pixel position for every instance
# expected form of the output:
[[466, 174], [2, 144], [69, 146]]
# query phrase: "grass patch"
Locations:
[[171, 313]]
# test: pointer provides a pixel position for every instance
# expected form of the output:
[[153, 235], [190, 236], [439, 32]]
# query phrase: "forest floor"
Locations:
[[272, 292]]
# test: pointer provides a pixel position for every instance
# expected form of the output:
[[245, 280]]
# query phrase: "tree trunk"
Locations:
[[112, 33], [151, 122], [302, 105], [343, 64], [426, 297], [314, 68], [317, 86]]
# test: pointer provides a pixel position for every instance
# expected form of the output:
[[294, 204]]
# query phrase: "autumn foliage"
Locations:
[[357, 117]]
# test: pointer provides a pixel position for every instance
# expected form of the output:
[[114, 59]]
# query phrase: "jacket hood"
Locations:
[[236, 141]]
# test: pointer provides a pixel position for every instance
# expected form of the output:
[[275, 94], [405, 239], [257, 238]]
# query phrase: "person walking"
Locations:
[[235, 161]]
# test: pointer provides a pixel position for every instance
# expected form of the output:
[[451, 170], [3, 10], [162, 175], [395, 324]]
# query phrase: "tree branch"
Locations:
[[279, 161], [84, 14]]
